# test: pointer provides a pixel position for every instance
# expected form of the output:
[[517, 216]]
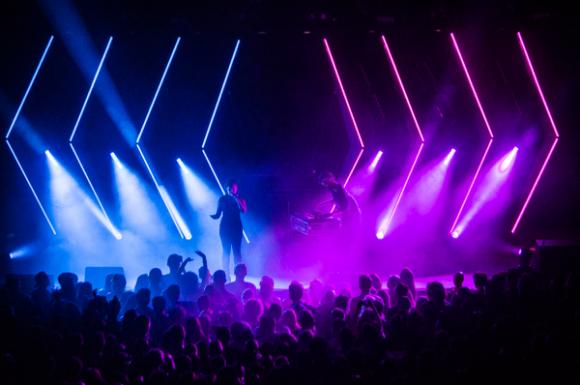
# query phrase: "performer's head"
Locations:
[[232, 187], [326, 179]]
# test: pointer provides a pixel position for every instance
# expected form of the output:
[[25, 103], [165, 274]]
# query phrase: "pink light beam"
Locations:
[[355, 125], [552, 123], [490, 132]]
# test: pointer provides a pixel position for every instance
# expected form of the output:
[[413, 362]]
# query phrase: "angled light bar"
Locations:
[[16, 115], [30, 84], [387, 223], [490, 132], [355, 125], [74, 131], [160, 191], [175, 217], [225, 81], [48, 221], [158, 89], [215, 108], [552, 123]]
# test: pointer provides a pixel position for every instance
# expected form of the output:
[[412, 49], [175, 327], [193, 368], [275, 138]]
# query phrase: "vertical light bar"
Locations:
[[158, 89], [355, 125], [72, 135], [30, 84], [552, 123], [486, 122], [48, 221], [213, 114], [385, 225], [219, 98]]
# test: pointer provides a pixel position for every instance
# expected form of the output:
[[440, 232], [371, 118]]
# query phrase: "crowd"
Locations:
[[518, 326]]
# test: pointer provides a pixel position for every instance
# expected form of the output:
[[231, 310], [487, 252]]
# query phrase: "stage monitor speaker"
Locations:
[[555, 257], [97, 275]]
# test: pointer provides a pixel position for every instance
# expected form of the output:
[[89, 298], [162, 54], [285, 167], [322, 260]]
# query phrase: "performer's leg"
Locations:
[[226, 247], [237, 248]]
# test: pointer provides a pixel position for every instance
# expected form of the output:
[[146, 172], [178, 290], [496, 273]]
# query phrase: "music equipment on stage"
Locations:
[[313, 223]]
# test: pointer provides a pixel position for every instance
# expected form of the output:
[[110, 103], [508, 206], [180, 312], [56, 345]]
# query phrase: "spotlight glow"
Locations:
[[30, 84], [376, 161], [449, 157], [554, 129], [67, 194], [455, 234], [486, 122], [355, 125], [508, 160], [139, 213], [488, 191]]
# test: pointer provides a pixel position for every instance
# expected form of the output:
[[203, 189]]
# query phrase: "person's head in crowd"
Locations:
[[41, 281], [119, 284], [155, 277], [306, 320], [275, 311], [436, 293], [159, 304], [247, 295], [458, 279], [142, 282], [241, 271], [219, 279], [295, 291], [253, 310], [341, 302], [68, 283], [392, 282], [289, 320], [172, 294], [480, 281], [408, 279], [266, 287], [189, 285], [143, 297], [174, 263], [204, 275], [364, 284], [376, 281]]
